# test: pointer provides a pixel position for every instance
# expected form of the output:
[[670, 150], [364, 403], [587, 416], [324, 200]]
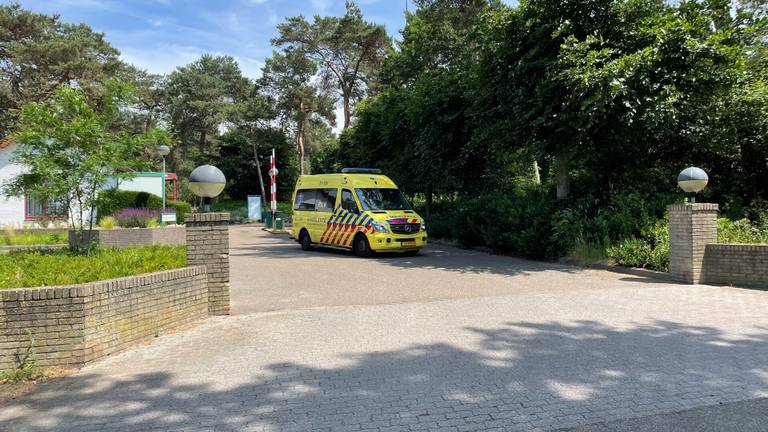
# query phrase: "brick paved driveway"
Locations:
[[464, 341]]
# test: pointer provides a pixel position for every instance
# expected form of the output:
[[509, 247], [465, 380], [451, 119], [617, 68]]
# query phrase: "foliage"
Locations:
[[181, 208], [53, 268], [287, 77], [69, 149], [111, 201], [200, 97], [25, 372], [650, 250], [107, 222], [347, 51], [136, 217], [238, 162], [27, 369], [12, 237], [39, 52], [601, 103], [740, 231]]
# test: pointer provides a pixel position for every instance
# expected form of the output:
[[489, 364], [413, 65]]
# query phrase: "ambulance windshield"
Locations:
[[382, 199]]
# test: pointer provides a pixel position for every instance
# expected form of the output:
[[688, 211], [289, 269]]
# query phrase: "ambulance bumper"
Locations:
[[387, 242]]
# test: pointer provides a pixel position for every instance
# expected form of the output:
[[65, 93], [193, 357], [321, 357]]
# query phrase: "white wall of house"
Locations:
[[142, 182], [11, 209]]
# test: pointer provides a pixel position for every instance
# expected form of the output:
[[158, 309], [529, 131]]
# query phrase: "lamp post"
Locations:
[[692, 180], [163, 151], [207, 181]]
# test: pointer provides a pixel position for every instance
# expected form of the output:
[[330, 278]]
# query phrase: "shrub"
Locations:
[[136, 217], [740, 231], [181, 208], [518, 222], [650, 250], [110, 201], [107, 222]]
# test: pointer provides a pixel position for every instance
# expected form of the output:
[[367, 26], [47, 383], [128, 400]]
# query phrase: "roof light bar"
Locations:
[[360, 171]]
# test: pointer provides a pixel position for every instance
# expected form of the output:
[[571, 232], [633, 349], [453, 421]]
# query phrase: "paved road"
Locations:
[[450, 341]]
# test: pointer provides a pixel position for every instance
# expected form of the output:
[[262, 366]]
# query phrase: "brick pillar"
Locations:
[[691, 228], [208, 245]]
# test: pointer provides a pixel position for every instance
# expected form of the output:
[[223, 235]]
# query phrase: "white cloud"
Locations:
[[162, 58], [320, 7]]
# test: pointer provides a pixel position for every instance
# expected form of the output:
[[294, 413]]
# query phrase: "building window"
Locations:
[[35, 209]]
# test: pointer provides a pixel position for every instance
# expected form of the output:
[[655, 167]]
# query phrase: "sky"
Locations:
[[159, 35]]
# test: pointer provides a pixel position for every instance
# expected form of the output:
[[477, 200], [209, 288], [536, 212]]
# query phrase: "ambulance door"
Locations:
[[325, 202]]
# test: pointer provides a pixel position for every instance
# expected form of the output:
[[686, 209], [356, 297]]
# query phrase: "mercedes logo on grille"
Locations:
[[408, 228]]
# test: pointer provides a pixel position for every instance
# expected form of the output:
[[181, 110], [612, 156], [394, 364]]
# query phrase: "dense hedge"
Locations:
[[528, 221], [629, 229], [111, 201]]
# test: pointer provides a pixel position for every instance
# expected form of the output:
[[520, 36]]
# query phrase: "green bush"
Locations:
[[110, 201], [107, 222], [181, 207], [519, 222], [740, 231], [650, 250], [62, 267]]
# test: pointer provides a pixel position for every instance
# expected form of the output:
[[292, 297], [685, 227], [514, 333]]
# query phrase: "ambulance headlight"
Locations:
[[380, 227], [423, 226]]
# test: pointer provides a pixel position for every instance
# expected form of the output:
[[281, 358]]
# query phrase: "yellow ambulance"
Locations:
[[359, 209]]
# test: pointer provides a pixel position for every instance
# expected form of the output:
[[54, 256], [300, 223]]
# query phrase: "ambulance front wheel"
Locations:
[[304, 240], [361, 247]]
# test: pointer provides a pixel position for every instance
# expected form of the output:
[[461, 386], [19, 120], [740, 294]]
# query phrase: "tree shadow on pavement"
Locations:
[[519, 376]]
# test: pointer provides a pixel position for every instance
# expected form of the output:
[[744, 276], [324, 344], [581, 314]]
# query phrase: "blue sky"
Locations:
[[159, 35]]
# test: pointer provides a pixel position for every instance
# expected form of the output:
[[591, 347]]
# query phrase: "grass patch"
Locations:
[[21, 238], [53, 268], [589, 253]]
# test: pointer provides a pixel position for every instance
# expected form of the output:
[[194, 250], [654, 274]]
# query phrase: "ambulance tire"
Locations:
[[304, 240], [360, 247]]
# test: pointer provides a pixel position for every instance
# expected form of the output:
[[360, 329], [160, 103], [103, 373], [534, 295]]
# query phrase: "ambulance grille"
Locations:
[[405, 228]]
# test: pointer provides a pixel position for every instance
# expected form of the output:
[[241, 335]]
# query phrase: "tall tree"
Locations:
[[287, 78], [347, 49], [202, 97], [38, 53]]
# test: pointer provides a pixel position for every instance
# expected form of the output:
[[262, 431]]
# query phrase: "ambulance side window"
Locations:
[[305, 200], [348, 201], [325, 200]]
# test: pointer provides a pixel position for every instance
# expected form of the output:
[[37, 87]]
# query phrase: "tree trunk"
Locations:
[[536, 172], [347, 110], [563, 177], [258, 171], [300, 138], [201, 144]]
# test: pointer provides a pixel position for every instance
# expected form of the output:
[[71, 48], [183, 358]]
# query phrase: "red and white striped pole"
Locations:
[[273, 185]]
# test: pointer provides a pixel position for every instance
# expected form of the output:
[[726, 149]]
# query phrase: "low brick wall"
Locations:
[[123, 237], [73, 325], [736, 264]]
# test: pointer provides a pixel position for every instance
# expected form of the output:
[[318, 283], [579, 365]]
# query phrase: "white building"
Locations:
[[27, 211]]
